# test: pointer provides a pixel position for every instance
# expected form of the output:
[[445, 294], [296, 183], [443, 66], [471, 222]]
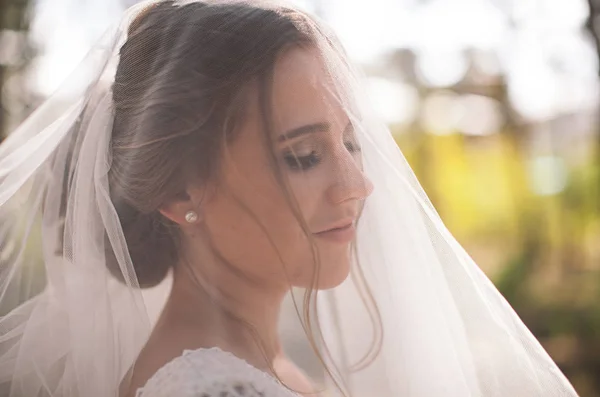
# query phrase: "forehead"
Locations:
[[303, 92]]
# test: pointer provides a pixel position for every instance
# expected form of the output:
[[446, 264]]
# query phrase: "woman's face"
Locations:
[[248, 217]]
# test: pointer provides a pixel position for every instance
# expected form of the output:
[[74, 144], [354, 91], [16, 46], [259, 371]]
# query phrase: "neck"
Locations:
[[226, 311]]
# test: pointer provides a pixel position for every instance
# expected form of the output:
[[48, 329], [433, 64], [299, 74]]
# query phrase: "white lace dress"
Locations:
[[211, 373]]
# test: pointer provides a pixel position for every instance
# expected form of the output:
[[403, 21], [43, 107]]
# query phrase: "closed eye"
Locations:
[[301, 163]]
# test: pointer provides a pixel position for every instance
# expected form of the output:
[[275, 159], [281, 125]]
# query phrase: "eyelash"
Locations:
[[304, 163]]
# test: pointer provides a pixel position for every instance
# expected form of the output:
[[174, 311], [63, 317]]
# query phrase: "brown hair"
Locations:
[[177, 98]]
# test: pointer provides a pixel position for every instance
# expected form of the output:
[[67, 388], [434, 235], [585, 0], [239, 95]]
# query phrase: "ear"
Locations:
[[176, 208]]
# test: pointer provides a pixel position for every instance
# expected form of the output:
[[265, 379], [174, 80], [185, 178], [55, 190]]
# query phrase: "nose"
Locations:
[[348, 181]]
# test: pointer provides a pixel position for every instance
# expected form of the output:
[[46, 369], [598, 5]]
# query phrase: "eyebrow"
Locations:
[[309, 129]]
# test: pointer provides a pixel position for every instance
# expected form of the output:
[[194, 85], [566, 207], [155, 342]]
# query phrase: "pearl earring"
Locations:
[[191, 216]]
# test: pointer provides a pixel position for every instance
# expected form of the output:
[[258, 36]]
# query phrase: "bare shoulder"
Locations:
[[294, 377]]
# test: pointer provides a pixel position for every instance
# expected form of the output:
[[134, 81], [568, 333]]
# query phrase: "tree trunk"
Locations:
[[593, 26], [14, 16]]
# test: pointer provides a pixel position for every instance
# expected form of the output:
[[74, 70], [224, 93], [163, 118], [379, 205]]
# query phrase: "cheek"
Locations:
[[255, 230], [334, 259], [253, 227]]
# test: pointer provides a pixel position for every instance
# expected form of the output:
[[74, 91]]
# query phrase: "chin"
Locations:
[[331, 274]]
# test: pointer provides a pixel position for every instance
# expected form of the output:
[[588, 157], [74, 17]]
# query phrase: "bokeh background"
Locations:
[[495, 103]]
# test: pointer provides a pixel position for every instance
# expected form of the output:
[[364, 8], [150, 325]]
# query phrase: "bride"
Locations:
[[223, 151]]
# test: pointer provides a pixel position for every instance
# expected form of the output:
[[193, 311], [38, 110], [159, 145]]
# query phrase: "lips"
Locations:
[[340, 232], [341, 224]]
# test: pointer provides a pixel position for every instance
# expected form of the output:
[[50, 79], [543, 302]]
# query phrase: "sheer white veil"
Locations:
[[428, 320]]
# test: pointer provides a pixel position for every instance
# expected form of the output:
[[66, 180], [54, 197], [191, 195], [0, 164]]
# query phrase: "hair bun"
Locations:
[[151, 244]]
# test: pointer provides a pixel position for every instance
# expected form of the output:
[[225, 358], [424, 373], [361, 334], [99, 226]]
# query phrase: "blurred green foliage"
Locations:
[[541, 249]]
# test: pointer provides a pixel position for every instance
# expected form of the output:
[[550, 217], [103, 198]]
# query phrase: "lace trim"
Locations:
[[220, 364]]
